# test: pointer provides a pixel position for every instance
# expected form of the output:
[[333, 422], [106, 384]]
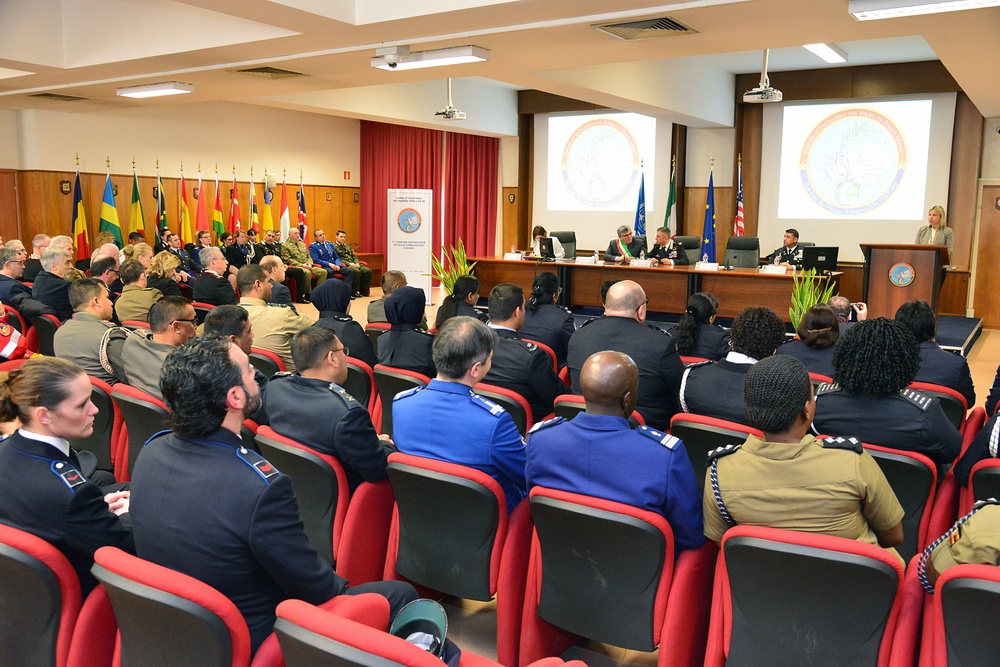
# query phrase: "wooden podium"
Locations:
[[896, 273]]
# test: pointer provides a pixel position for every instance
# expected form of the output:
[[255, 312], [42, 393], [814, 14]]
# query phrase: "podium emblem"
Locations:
[[901, 274]]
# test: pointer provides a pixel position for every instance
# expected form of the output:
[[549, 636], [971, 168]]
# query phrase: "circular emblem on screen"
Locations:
[[409, 220], [600, 162], [853, 161], [901, 274]]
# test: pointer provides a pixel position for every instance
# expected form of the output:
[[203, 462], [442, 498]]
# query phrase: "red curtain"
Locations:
[[471, 185], [396, 156]]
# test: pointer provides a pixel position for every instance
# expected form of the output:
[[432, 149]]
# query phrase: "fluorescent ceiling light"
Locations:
[[456, 55], [156, 89], [868, 10], [831, 53]]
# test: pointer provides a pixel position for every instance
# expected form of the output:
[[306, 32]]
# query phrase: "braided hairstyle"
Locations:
[[543, 290], [876, 358], [700, 309], [775, 391]]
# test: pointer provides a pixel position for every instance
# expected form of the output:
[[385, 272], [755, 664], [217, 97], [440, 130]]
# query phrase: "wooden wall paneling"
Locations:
[[954, 296], [352, 216], [9, 218], [987, 297], [509, 224], [966, 152], [750, 145]]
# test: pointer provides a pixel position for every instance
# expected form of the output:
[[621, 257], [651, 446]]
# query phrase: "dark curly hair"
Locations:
[[819, 327], [543, 290], [195, 380], [757, 332], [700, 309], [876, 358]]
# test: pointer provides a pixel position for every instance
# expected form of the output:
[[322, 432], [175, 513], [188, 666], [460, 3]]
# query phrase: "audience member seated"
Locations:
[[295, 253], [51, 286], [162, 241], [791, 480], [665, 251], [173, 322], [240, 532], [212, 285], [45, 491], [33, 265], [162, 274], [842, 306], [81, 338], [140, 252], [973, 540], [105, 270], [819, 331], [273, 325], [464, 295], [22, 253], [66, 243], [625, 248], [585, 455], [13, 292], [406, 345], [324, 254], [345, 431], [204, 241], [362, 279], [518, 365], [376, 308], [697, 333], [715, 388], [136, 298], [623, 329], [233, 322], [333, 301], [937, 366], [539, 233], [546, 321], [869, 400], [185, 267], [448, 421], [275, 270], [272, 248], [241, 253]]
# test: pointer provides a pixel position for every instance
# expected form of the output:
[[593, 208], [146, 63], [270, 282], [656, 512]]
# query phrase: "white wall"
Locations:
[[702, 147]]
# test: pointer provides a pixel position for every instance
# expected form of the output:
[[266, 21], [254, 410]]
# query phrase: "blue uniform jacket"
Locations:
[[599, 456], [449, 422], [324, 253]]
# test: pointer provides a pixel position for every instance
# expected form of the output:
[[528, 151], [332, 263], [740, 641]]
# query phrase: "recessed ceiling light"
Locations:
[[868, 10], [831, 53], [156, 89], [396, 58]]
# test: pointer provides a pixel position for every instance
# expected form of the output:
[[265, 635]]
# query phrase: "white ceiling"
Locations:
[[89, 48]]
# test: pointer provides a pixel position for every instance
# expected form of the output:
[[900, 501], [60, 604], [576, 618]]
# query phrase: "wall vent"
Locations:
[[270, 72]]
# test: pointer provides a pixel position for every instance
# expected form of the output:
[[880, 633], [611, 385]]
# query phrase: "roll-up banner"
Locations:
[[410, 225]]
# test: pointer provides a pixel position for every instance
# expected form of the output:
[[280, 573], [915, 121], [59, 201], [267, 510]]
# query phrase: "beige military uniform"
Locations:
[[273, 327], [297, 254], [803, 486], [135, 302], [977, 541]]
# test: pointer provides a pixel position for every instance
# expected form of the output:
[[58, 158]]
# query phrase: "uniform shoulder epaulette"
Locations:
[[918, 398], [659, 330], [852, 444], [340, 317], [280, 305], [424, 332], [69, 475], [408, 392], [568, 311], [700, 363], [260, 465], [592, 320], [827, 388], [340, 391], [282, 374], [546, 424], [668, 441], [719, 452], [980, 504], [494, 409]]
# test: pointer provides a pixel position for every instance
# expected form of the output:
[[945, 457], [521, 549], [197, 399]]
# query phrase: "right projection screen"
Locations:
[[861, 171]]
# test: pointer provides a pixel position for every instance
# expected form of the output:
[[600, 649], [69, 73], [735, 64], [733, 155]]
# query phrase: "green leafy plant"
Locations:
[[455, 264], [807, 291]]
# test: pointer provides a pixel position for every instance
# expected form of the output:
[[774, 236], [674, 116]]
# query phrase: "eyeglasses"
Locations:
[[642, 304], [347, 350], [193, 320]]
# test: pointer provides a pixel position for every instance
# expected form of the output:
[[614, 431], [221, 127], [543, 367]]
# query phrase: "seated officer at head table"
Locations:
[[206, 506], [792, 480], [790, 252], [585, 455], [625, 247], [665, 251]]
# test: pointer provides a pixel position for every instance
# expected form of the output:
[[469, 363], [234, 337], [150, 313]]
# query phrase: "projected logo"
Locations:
[[600, 163], [408, 220], [853, 161]]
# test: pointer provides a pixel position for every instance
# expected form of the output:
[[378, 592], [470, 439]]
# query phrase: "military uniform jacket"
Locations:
[[792, 256], [946, 368], [524, 368], [601, 456], [236, 257], [815, 361], [215, 511], [324, 254], [79, 340], [977, 541], [210, 288], [345, 431], [274, 326], [652, 350], [143, 360], [447, 421], [345, 253], [983, 446], [712, 342], [635, 246], [135, 302], [296, 254], [669, 251], [53, 291], [715, 389], [186, 261], [550, 324], [409, 348], [909, 420], [376, 311], [45, 494], [802, 486], [266, 249], [351, 334]]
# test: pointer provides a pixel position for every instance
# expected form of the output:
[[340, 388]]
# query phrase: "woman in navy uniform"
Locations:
[[697, 333], [544, 320], [333, 301], [406, 345], [818, 332], [464, 295]]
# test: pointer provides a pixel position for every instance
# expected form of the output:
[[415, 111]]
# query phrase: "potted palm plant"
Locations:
[[807, 291], [455, 263]]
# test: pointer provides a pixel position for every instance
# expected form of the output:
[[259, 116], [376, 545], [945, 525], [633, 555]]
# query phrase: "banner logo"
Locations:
[[409, 220]]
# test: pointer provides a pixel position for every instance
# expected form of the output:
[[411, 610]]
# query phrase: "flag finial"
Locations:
[[284, 172], [133, 163], [216, 168], [234, 170], [157, 164], [77, 159], [251, 172], [199, 166], [107, 161], [182, 166]]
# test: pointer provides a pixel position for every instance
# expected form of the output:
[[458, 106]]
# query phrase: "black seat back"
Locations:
[[965, 603], [358, 384], [264, 364], [700, 439], [99, 441], [46, 329], [30, 605], [390, 383], [914, 484], [568, 241], [143, 420]]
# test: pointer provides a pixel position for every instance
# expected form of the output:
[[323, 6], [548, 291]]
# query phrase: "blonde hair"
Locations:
[[163, 265], [135, 251], [940, 211], [104, 237]]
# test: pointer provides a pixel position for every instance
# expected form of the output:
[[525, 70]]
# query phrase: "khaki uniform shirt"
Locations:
[[296, 254], [804, 487], [79, 340], [273, 327], [977, 541], [143, 361], [345, 252], [135, 302]]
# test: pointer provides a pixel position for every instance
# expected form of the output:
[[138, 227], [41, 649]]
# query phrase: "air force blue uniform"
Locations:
[[448, 421], [600, 456]]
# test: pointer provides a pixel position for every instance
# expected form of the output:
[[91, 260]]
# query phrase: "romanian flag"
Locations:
[[201, 217], [235, 224], [136, 220], [284, 221], [109, 215], [80, 236], [218, 226], [161, 203], [266, 221], [185, 230]]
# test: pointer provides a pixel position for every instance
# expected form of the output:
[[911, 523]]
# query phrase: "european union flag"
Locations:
[[708, 233], [640, 210]]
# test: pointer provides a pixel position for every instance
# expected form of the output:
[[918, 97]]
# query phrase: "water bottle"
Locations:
[[642, 254], [704, 257], [512, 248], [777, 259], [596, 257]]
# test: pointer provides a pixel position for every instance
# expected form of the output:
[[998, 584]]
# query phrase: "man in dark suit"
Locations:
[[626, 247], [518, 365], [13, 292], [937, 366], [33, 266], [51, 286]]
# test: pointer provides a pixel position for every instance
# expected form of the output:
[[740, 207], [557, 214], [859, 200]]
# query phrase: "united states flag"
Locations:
[[739, 205]]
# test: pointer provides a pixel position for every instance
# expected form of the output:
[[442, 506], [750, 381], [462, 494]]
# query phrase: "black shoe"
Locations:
[[353, 297], [302, 299]]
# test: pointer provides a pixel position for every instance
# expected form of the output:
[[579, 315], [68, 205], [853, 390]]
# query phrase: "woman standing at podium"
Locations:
[[936, 232]]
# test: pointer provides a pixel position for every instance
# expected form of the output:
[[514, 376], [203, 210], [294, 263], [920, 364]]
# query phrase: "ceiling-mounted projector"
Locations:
[[763, 92], [450, 112]]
